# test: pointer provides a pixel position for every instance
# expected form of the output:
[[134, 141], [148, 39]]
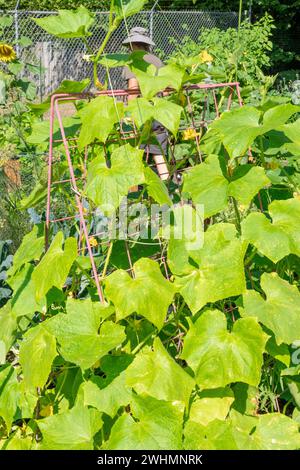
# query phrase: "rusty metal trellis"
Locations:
[[210, 96]]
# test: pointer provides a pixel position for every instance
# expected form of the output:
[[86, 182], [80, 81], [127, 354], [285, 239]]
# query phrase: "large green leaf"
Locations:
[[98, 118], [278, 115], [210, 273], [154, 372], [37, 351], [54, 267], [107, 186], [163, 111], [272, 431], [152, 425], [280, 238], [9, 394], [40, 131], [207, 184], [109, 392], [8, 330], [210, 405], [136, 295], [246, 182], [238, 129], [217, 435], [24, 301], [71, 430], [31, 249], [152, 81], [66, 86], [77, 332], [280, 312], [292, 132], [156, 188], [125, 8], [68, 24], [219, 357]]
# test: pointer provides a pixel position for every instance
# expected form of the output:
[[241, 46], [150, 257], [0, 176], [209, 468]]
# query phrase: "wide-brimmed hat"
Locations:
[[138, 34]]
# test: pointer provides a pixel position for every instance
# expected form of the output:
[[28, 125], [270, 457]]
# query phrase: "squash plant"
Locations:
[[200, 355]]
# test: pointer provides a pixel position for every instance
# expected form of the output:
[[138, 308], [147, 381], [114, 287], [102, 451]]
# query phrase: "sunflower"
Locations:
[[7, 53]]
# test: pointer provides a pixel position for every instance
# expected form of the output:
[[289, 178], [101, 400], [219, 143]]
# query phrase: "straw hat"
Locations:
[[138, 34]]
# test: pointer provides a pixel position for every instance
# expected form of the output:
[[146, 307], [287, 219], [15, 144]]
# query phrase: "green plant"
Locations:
[[19, 165], [237, 53], [201, 358]]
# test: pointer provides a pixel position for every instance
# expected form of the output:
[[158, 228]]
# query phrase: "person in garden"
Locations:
[[139, 40]]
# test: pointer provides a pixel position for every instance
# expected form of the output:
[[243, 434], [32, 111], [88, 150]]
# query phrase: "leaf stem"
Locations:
[[108, 255], [237, 215]]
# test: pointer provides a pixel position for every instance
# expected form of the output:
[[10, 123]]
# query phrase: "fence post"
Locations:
[[17, 27], [151, 19]]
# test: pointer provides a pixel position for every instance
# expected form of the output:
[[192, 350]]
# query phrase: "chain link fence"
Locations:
[[59, 59]]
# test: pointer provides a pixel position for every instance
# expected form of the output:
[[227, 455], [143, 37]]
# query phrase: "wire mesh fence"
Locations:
[[59, 59]]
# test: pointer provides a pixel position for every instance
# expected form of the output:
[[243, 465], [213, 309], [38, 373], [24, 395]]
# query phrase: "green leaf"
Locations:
[[136, 295], [161, 110], [156, 188], [114, 60], [98, 118], [278, 115], [271, 431], [37, 195], [280, 238], [247, 182], [54, 267], [280, 312], [37, 351], [152, 81], [153, 425], [77, 332], [9, 394], [107, 186], [217, 435], [154, 372], [24, 301], [66, 86], [68, 24], [15, 67], [210, 273], [291, 131], [31, 249], [219, 357], [71, 430], [125, 8], [207, 185], [8, 330], [110, 393], [210, 405], [41, 130], [238, 129], [6, 21]]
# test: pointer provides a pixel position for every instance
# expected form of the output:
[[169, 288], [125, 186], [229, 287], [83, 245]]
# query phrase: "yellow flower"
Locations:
[[7, 53], [205, 57], [189, 134], [93, 241], [46, 411], [99, 85]]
